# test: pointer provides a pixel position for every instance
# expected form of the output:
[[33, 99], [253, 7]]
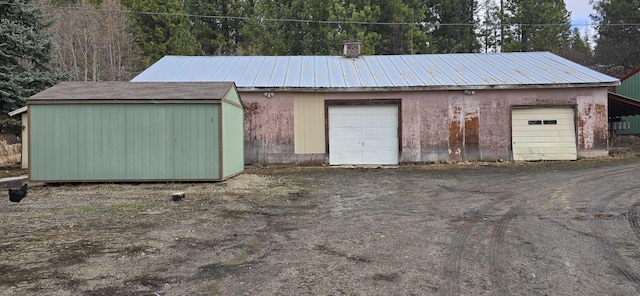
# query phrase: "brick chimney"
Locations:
[[351, 48]]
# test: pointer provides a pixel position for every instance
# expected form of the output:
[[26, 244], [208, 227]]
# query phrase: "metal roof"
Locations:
[[620, 105], [336, 73], [123, 91]]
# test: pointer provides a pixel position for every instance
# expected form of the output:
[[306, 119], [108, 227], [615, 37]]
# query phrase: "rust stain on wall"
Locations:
[[456, 135], [250, 112], [601, 135], [472, 137]]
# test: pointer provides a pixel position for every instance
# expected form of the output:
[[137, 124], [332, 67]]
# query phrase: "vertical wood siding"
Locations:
[[308, 123], [630, 87], [232, 140], [232, 134], [99, 142]]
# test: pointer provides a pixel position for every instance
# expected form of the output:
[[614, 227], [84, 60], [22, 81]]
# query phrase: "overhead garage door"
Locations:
[[543, 134], [363, 135]]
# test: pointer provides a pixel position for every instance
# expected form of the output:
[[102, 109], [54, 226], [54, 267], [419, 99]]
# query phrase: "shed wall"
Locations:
[[630, 87], [435, 125], [232, 139], [24, 162], [110, 142]]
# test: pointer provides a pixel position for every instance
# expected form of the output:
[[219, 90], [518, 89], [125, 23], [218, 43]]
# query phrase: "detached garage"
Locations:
[[120, 131], [393, 109]]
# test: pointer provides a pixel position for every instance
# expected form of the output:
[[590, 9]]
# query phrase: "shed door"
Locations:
[[363, 135], [543, 134]]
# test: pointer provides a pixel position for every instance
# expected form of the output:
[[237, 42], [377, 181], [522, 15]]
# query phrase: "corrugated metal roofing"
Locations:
[[437, 71], [133, 91]]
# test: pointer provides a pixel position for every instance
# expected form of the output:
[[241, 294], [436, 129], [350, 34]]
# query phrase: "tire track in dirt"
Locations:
[[608, 247], [458, 247], [563, 194], [496, 263], [633, 216], [462, 239]]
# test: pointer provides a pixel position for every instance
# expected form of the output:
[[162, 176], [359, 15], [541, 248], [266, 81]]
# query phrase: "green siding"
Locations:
[[630, 87], [232, 139], [634, 126], [101, 142], [233, 96]]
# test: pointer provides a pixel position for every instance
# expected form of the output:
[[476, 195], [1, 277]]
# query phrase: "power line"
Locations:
[[331, 22]]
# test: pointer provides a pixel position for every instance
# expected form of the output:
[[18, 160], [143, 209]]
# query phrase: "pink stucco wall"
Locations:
[[435, 125]]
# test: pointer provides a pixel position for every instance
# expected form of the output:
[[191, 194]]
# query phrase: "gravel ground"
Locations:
[[556, 228]]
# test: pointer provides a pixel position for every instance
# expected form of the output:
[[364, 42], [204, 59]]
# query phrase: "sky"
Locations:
[[580, 10]]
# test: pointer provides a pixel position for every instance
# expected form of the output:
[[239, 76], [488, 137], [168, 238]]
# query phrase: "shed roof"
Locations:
[[335, 73], [620, 105], [127, 91], [18, 111]]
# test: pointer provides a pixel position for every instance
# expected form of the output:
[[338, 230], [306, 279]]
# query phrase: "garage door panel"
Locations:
[[379, 158], [377, 132], [536, 156], [545, 138], [383, 144], [347, 132], [372, 134], [548, 148], [544, 134]]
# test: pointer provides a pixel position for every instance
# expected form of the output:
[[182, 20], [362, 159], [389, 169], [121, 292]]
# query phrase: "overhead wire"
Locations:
[[333, 22]]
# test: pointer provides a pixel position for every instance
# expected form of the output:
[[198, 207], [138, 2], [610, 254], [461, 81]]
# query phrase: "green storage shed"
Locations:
[[136, 132], [630, 88]]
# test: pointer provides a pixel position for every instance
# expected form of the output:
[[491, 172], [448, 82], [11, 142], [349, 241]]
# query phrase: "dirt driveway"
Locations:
[[565, 228]]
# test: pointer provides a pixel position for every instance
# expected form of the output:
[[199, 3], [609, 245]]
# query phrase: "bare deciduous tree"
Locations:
[[94, 44]]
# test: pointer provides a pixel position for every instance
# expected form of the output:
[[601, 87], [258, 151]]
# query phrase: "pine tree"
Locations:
[[454, 26], [400, 34], [618, 42], [219, 35], [161, 28], [26, 59], [536, 25], [578, 49]]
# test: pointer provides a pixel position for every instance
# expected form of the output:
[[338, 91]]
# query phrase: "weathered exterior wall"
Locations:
[[592, 124], [268, 128], [435, 125], [124, 142], [231, 129], [25, 141]]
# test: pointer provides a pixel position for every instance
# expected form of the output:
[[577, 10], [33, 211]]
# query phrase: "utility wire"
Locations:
[[336, 22]]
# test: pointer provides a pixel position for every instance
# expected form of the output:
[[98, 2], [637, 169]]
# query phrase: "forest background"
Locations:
[[43, 42]]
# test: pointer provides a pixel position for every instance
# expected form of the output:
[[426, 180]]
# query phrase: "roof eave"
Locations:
[[424, 88], [18, 111]]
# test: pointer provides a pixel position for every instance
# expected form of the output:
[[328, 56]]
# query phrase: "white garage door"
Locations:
[[363, 135], [543, 134]]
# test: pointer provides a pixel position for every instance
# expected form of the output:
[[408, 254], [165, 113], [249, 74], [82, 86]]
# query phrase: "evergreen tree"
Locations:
[[536, 25], [26, 59], [348, 13], [400, 34], [161, 28], [455, 26], [618, 41], [490, 27], [310, 34], [578, 49], [219, 35]]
